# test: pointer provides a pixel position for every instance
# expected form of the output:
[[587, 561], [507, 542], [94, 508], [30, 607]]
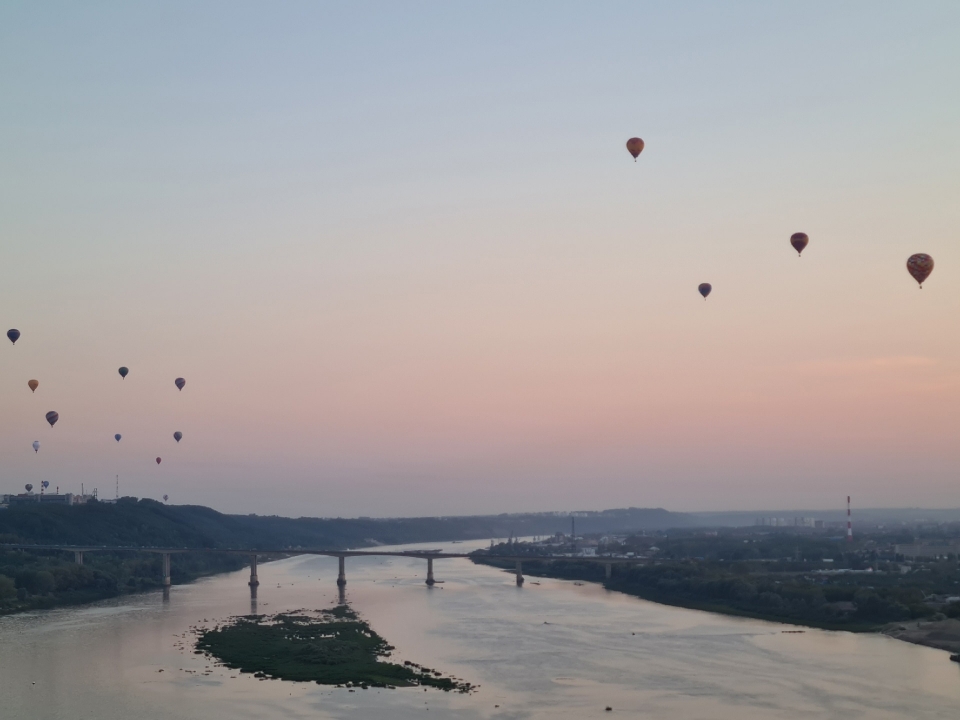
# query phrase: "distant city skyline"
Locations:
[[407, 267]]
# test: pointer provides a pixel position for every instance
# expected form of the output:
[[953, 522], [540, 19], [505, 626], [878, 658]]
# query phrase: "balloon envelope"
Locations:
[[14, 335], [33, 385], [177, 435], [36, 445], [179, 382], [45, 484], [165, 498], [705, 289], [28, 487], [123, 372], [158, 461], [799, 241], [635, 147], [52, 417], [117, 437], [920, 266]]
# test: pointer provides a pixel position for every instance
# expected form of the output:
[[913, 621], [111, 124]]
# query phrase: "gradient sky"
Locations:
[[403, 260]]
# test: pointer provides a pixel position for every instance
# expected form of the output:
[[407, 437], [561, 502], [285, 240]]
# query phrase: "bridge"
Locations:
[[429, 555]]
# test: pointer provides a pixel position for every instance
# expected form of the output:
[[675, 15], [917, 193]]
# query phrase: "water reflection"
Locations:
[[253, 600]]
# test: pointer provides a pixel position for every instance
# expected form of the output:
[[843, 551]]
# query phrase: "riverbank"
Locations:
[[328, 647], [42, 580], [941, 634]]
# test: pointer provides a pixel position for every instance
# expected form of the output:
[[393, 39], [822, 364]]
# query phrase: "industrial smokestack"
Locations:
[[849, 523]]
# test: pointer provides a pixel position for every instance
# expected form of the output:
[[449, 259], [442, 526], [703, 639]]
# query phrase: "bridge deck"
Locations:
[[421, 555]]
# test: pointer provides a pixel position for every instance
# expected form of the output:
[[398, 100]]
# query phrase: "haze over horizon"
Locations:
[[407, 267]]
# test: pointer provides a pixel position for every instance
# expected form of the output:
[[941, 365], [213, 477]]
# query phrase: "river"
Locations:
[[549, 650]]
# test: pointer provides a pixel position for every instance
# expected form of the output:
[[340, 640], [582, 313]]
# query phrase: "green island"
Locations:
[[328, 647]]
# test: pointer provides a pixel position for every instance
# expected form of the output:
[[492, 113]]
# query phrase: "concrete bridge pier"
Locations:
[[430, 580], [78, 557], [253, 572], [519, 574], [342, 577], [608, 569], [166, 569]]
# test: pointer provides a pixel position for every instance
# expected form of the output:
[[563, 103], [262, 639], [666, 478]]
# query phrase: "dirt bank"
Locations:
[[941, 634]]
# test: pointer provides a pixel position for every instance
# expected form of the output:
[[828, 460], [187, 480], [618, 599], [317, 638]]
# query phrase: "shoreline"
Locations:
[[936, 634]]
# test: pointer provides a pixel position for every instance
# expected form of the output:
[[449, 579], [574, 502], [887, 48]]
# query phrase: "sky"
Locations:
[[405, 264]]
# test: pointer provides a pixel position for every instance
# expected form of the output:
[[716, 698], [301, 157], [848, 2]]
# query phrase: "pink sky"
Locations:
[[411, 277]]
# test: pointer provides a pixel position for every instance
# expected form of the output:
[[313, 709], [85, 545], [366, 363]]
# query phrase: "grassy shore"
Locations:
[[329, 647]]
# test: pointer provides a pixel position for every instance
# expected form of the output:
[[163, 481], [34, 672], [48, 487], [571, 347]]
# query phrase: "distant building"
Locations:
[[926, 551], [44, 499]]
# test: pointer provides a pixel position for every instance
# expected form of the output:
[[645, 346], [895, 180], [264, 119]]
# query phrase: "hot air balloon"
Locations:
[[28, 487], [158, 461], [177, 435], [117, 437], [123, 372], [165, 497], [33, 385], [635, 147], [36, 445], [45, 484], [14, 335], [179, 382], [920, 266], [705, 289], [52, 417], [799, 241]]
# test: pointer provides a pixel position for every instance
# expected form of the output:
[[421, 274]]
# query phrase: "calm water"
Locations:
[[553, 650]]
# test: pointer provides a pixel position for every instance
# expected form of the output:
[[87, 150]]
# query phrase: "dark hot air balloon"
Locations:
[[635, 147], [799, 241], [52, 417], [14, 335], [158, 461], [920, 266], [36, 445], [28, 487], [165, 497], [179, 382], [33, 385], [705, 289], [123, 372], [117, 437], [177, 435]]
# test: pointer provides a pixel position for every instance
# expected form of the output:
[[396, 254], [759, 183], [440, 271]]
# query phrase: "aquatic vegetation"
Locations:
[[329, 647]]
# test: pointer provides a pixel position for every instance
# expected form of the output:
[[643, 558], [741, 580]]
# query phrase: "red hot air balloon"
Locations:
[[705, 289], [52, 417], [635, 147], [14, 335], [920, 266], [799, 241], [33, 385], [179, 382], [158, 461]]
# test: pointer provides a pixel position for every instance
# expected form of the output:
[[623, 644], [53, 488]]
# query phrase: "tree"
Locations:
[[8, 588]]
